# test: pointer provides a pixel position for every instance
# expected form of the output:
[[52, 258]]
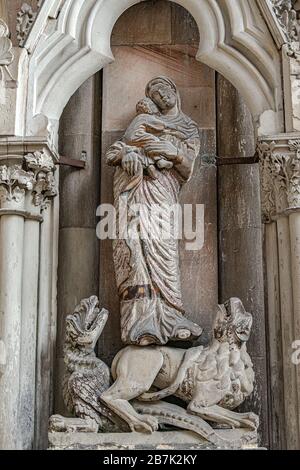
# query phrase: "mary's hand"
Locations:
[[165, 149], [131, 164]]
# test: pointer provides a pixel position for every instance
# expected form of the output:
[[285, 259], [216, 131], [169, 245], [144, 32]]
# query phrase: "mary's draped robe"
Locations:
[[147, 266]]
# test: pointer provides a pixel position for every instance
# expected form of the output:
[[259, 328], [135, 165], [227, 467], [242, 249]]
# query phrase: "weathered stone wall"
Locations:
[[78, 274], [240, 232]]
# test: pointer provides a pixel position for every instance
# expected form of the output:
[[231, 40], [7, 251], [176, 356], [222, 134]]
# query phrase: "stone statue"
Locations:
[[154, 158], [86, 377], [212, 380]]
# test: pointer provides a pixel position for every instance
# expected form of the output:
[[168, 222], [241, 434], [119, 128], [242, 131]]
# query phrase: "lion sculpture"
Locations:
[[212, 380]]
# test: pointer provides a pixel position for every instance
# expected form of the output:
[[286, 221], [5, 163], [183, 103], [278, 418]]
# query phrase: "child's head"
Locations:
[[146, 106]]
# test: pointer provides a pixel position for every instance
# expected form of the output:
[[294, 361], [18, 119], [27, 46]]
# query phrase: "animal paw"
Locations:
[[146, 423], [57, 423], [254, 419], [151, 421], [250, 421]]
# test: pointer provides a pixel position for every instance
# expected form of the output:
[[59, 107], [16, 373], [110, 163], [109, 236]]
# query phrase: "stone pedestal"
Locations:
[[169, 440]]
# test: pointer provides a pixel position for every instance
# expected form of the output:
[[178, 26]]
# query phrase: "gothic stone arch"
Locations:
[[234, 40]]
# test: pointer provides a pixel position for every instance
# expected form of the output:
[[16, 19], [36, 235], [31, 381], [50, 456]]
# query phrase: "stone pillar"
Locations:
[[46, 322], [26, 182], [240, 238], [280, 186], [78, 271], [11, 247], [30, 272]]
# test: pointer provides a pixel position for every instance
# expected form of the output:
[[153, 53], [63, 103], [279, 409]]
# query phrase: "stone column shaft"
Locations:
[[294, 222], [280, 184], [274, 333], [287, 331], [78, 271], [26, 183], [240, 234], [11, 248], [29, 326], [43, 362]]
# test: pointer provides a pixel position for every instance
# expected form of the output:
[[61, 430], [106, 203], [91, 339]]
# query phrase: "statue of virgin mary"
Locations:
[[153, 160]]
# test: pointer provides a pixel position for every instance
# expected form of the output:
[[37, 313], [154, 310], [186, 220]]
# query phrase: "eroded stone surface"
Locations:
[[169, 440]]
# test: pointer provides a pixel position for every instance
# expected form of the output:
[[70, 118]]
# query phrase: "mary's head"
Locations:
[[163, 92]]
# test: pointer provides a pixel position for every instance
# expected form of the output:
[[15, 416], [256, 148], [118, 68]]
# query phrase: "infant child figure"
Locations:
[[147, 106], [137, 135]]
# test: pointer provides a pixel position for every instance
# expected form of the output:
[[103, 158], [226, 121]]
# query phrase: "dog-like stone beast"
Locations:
[[212, 380]]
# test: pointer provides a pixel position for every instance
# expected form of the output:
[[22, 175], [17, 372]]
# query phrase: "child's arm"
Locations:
[[140, 132]]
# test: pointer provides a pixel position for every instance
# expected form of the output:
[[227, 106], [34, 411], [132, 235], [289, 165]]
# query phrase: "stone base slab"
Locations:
[[168, 440]]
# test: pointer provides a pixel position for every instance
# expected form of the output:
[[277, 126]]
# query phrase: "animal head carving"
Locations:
[[233, 323], [85, 325]]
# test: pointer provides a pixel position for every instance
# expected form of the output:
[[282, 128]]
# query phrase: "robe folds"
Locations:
[[146, 256]]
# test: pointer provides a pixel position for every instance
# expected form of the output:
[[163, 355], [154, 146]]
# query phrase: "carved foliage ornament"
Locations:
[[44, 181], [280, 178], [288, 16], [25, 19], [13, 183], [36, 175]]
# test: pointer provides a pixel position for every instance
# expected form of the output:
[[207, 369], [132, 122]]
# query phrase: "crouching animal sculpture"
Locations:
[[211, 380], [86, 377]]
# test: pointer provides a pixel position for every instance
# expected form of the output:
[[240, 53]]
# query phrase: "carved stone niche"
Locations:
[[152, 161]]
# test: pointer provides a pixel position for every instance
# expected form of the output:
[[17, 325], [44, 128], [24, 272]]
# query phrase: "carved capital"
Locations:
[[280, 176], [14, 181], [34, 174]]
